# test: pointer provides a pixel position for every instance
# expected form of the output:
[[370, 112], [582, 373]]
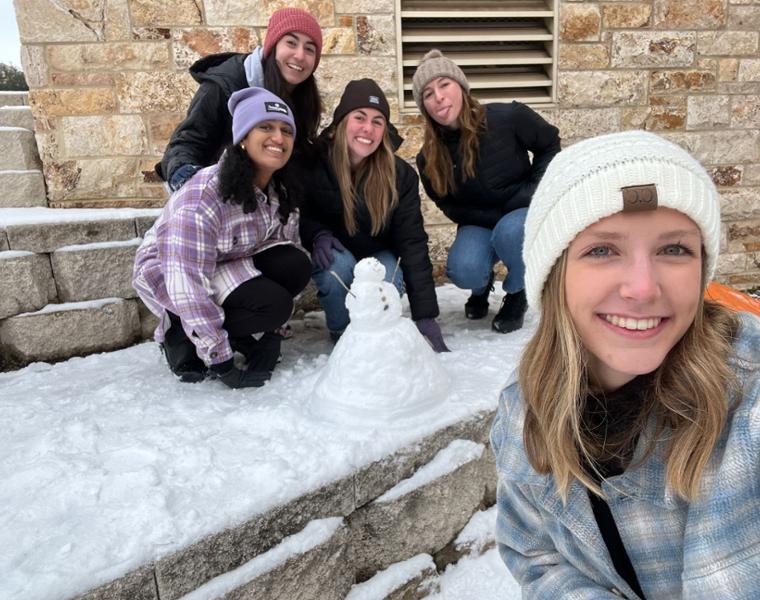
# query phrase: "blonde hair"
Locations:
[[688, 396], [438, 166], [376, 175]]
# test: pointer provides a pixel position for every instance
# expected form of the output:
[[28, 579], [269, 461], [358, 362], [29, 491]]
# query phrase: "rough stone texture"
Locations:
[[43, 21], [662, 82], [626, 16], [77, 80], [119, 56], [440, 239], [728, 69], [154, 91], [116, 21], [364, 7], [81, 101], [142, 224], [653, 49], [744, 236], [3, 240], [727, 43], [160, 128], [85, 178], [731, 263], [185, 570], [47, 237], [307, 300], [583, 56], [335, 71], [323, 573], [422, 585], [14, 98], [720, 147], [373, 480], [602, 88], [338, 40], [751, 175], [59, 335], [740, 204], [744, 17], [140, 584], [244, 12], [18, 149], [579, 22], [34, 64], [689, 14], [189, 45], [664, 112], [424, 520], [122, 135], [749, 70], [376, 35], [16, 116], [727, 175], [26, 283], [22, 189], [148, 321], [706, 112], [94, 272], [158, 13], [575, 123]]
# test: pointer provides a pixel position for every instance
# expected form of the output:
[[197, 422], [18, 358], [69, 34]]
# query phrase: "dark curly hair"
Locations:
[[236, 183]]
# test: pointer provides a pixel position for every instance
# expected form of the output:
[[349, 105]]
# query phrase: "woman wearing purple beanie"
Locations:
[[222, 263], [284, 65]]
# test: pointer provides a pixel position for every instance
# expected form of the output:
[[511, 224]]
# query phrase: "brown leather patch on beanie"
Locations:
[[639, 197]]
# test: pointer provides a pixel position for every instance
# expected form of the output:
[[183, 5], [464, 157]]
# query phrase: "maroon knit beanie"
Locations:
[[288, 20]]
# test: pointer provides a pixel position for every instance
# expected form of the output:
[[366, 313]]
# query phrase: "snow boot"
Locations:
[[476, 306], [181, 355], [511, 314], [260, 355]]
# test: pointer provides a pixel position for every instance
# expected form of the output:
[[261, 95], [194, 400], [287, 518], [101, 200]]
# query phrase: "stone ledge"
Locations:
[[47, 237], [14, 98], [26, 282], [16, 116], [22, 189], [18, 149], [140, 584]]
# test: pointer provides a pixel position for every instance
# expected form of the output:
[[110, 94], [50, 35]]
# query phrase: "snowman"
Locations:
[[381, 369]]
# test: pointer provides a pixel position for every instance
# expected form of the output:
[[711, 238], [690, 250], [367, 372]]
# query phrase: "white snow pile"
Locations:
[[108, 462], [390, 579]]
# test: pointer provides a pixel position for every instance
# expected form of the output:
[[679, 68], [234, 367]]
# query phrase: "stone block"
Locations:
[[749, 70], [82, 101], [340, 69], [188, 45], [323, 572], [42, 21], [411, 579], [122, 56], [148, 321], [728, 69], [34, 64], [663, 113], [726, 175], [364, 7], [139, 584], [751, 176], [708, 112], [47, 237], [160, 128], [60, 331], [440, 238], [91, 178], [26, 282], [574, 123], [116, 21], [92, 271], [376, 35], [307, 300], [18, 149], [579, 22], [122, 135], [401, 524], [339, 40], [22, 189], [693, 80], [374, 479], [602, 88], [720, 147], [727, 43], [689, 14], [16, 116], [156, 91], [13, 98], [164, 13], [187, 569], [740, 204], [636, 49], [431, 213], [3, 241], [143, 223], [744, 17], [729, 264], [744, 236], [626, 16], [583, 56]]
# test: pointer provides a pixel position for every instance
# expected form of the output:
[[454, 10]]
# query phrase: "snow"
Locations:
[[479, 530], [83, 305], [108, 462], [315, 533], [482, 577], [14, 254], [99, 245], [449, 459], [384, 582], [39, 214]]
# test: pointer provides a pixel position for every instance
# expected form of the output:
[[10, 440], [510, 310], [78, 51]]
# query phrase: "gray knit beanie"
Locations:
[[435, 64], [598, 177]]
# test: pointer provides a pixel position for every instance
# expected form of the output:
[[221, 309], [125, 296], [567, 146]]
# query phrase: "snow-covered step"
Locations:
[[26, 282], [16, 116], [14, 98], [18, 149], [22, 188], [415, 577]]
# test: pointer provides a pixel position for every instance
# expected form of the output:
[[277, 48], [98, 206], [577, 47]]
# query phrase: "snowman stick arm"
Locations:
[[398, 264], [334, 274]]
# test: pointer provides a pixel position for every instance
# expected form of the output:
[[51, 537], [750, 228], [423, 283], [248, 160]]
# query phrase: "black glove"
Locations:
[[236, 378], [321, 253], [432, 331]]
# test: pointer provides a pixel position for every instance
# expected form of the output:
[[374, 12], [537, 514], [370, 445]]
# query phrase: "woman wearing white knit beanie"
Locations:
[[628, 443]]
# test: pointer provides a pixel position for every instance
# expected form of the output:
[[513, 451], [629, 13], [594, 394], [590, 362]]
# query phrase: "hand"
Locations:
[[181, 175], [236, 378], [322, 254], [432, 331]]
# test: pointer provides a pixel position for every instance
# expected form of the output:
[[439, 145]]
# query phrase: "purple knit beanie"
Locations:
[[253, 105]]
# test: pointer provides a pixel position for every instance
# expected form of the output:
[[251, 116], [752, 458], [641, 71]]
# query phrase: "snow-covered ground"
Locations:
[[108, 462]]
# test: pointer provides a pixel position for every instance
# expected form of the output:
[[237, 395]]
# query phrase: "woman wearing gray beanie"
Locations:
[[628, 441], [475, 165], [222, 263]]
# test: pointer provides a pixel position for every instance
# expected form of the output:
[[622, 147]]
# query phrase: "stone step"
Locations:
[[14, 98], [16, 116], [18, 150], [26, 282], [22, 189], [414, 578], [49, 236]]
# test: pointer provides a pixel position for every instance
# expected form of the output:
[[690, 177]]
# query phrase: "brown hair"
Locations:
[[438, 166]]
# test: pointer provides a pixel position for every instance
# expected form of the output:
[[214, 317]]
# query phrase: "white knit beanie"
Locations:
[[586, 182]]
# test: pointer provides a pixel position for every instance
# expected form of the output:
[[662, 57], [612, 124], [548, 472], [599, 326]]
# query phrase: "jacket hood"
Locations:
[[225, 69]]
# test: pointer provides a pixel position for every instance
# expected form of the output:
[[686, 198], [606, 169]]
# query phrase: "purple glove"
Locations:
[[432, 331], [321, 253]]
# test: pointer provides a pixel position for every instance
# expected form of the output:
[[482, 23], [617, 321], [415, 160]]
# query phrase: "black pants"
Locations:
[[266, 302]]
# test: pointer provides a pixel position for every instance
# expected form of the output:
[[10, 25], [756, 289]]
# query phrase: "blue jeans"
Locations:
[[332, 295], [477, 249]]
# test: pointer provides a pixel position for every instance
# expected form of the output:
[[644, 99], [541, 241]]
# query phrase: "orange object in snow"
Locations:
[[732, 298]]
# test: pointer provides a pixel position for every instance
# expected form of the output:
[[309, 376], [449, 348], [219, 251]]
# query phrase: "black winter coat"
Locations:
[[504, 178], [207, 128], [404, 234]]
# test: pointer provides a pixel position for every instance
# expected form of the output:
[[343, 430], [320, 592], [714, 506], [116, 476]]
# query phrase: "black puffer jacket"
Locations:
[[404, 234], [504, 178], [207, 128]]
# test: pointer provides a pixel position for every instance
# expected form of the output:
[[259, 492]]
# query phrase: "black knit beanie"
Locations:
[[361, 93]]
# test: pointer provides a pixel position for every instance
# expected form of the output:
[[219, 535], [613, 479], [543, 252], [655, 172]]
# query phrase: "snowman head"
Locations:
[[374, 304]]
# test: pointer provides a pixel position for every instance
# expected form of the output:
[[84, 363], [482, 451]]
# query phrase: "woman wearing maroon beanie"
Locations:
[[284, 65]]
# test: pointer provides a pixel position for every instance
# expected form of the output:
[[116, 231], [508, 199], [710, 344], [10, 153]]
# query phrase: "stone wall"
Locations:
[[109, 82]]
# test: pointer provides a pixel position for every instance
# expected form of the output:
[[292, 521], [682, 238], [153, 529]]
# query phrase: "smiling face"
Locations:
[[269, 145], [633, 286], [442, 99], [295, 55], [365, 128]]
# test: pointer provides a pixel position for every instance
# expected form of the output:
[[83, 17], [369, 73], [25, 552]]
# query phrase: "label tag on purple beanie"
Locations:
[[639, 197], [277, 107]]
